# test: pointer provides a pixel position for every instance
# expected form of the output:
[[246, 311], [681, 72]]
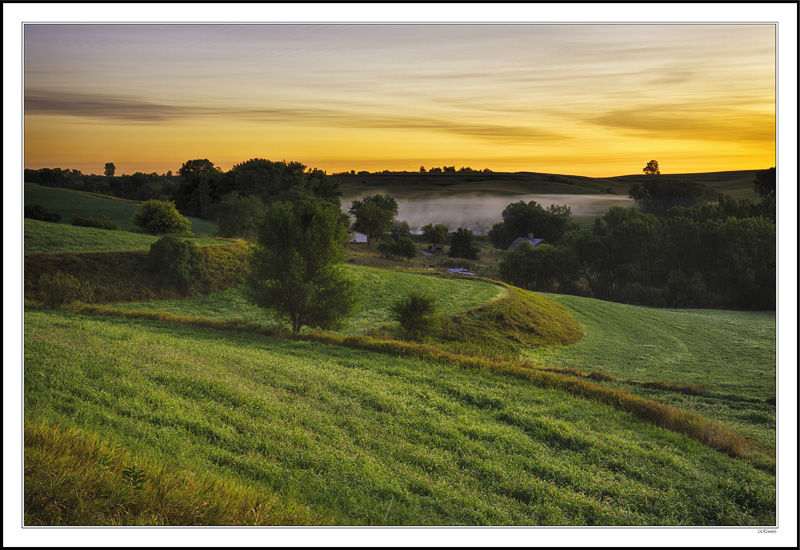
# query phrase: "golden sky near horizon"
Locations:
[[586, 99]]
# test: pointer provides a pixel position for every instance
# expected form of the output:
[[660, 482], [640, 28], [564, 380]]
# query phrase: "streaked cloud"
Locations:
[[130, 109]]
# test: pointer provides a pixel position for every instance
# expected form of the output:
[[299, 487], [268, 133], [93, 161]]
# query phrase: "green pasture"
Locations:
[[378, 289], [730, 353], [49, 237], [68, 202], [372, 439]]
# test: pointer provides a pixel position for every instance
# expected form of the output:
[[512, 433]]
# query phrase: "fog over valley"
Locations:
[[479, 211]]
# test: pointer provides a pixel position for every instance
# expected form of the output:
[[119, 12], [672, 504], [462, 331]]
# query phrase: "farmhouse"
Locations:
[[534, 242], [359, 237]]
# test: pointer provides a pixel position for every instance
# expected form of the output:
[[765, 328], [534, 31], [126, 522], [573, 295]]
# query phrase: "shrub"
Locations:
[[156, 216], [90, 221], [60, 288], [416, 313], [39, 212], [175, 262]]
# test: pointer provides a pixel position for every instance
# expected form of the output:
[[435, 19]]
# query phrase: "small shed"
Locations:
[[359, 237], [533, 242]]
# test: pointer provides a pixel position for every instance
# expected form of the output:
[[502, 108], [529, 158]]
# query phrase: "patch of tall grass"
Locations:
[[72, 477]]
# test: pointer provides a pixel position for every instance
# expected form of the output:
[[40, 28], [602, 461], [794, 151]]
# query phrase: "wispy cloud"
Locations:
[[140, 110]]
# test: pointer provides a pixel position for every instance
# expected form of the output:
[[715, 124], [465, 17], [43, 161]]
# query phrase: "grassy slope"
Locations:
[[378, 289], [375, 439], [732, 353], [68, 202], [46, 237]]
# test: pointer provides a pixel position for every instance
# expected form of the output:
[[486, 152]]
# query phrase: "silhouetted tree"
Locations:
[[651, 168], [110, 169]]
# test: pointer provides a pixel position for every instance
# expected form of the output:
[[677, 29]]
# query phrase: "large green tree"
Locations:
[[374, 215], [295, 268]]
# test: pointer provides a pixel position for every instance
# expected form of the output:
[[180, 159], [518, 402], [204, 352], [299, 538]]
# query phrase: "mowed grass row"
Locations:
[[68, 202], [730, 356], [372, 439], [378, 289], [53, 238]]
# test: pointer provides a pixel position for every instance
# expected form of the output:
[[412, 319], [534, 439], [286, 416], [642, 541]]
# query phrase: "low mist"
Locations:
[[479, 211]]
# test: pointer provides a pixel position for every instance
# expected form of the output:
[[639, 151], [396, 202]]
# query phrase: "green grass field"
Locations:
[[370, 439], [46, 237], [68, 202], [730, 353]]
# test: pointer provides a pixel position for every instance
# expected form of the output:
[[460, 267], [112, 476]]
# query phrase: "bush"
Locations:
[[39, 212], [90, 221], [60, 288], [416, 313], [175, 262], [156, 216]]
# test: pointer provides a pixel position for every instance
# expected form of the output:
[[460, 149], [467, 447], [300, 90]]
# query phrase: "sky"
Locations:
[[584, 99]]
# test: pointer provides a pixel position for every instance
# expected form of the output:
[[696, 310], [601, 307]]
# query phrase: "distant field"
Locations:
[[49, 237], [378, 289], [412, 184], [68, 203], [375, 439], [732, 353]]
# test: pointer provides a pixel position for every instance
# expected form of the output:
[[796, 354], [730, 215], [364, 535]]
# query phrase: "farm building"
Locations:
[[436, 248], [533, 242], [359, 237]]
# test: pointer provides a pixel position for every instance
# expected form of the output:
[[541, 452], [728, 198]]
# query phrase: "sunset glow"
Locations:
[[587, 99]]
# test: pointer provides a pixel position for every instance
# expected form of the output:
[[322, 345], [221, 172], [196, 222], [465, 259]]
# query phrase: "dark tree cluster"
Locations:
[[203, 185], [521, 219], [658, 195], [696, 253], [138, 186]]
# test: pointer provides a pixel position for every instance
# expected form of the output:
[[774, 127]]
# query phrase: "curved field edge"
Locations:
[[378, 439], [378, 289], [659, 414], [721, 364], [72, 477]]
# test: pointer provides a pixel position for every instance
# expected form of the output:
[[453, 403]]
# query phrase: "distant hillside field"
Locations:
[[68, 203], [415, 184]]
